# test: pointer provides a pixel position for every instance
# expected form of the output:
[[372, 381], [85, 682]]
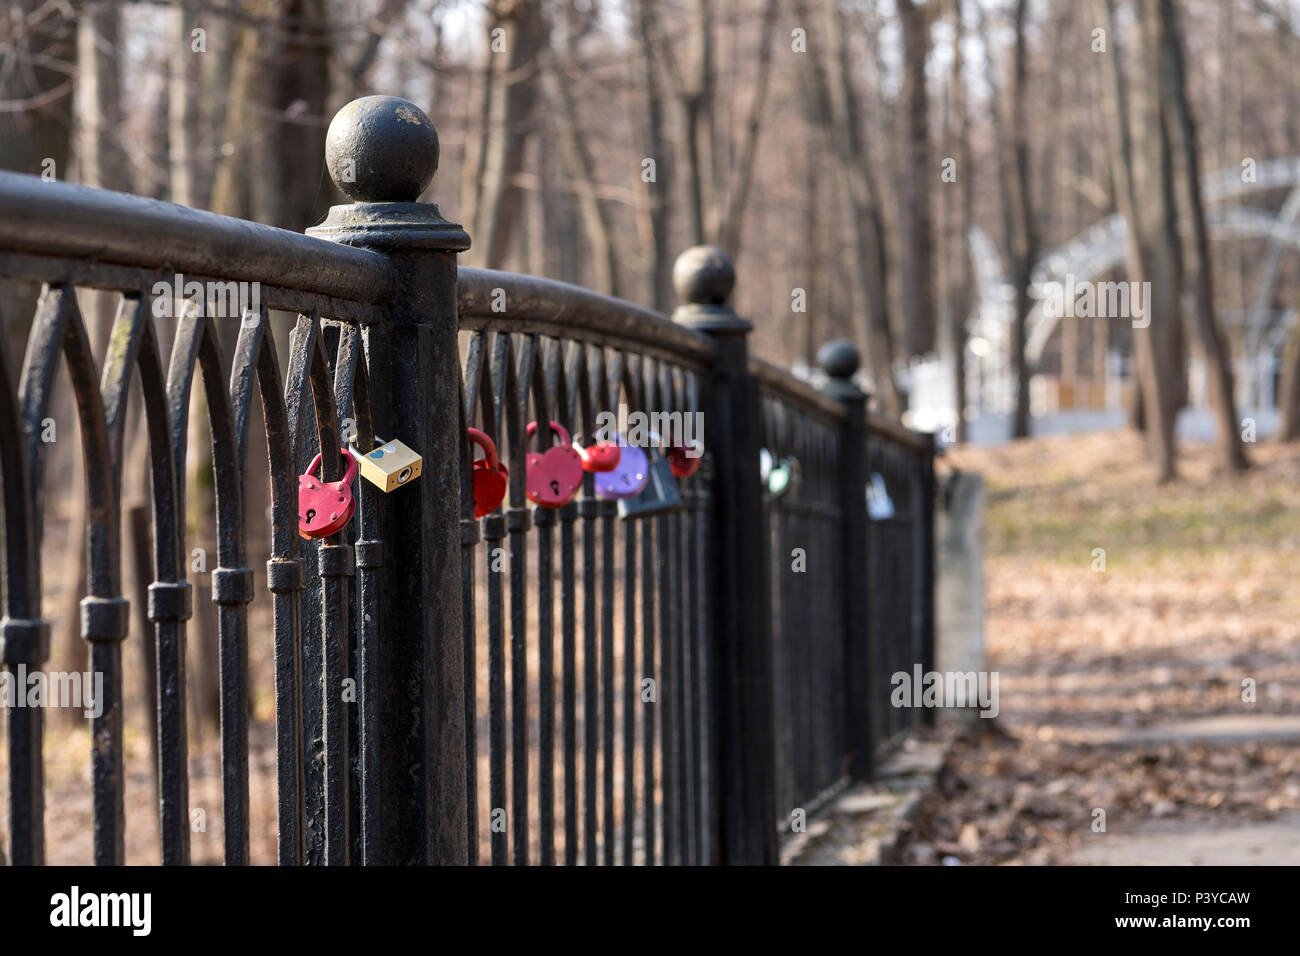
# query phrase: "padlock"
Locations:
[[602, 456], [659, 495], [389, 465], [490, 476], [783, 477], [879, 505], [325, 507], [554, 476], [684, 460], [628, 477]]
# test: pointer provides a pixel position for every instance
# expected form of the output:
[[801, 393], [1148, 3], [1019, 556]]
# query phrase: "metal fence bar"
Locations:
[[474, 391], [631, 690], [255, 365], [588, 508], [667, 689], [923, 549], [649, 801], [517, 526]]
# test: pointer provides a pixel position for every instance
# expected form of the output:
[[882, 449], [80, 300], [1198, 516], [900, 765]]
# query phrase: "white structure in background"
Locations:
[[990, 384]]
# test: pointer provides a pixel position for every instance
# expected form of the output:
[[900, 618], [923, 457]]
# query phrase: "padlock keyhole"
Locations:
[[311, 513], [555, 487]]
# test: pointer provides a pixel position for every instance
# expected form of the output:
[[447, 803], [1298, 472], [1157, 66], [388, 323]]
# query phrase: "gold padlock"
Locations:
[[389, 465]]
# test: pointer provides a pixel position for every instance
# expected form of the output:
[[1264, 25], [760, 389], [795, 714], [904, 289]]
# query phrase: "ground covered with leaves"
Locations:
[[1130, 624]]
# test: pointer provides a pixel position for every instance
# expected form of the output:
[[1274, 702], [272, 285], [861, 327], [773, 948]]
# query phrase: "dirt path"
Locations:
[[1148, 646]]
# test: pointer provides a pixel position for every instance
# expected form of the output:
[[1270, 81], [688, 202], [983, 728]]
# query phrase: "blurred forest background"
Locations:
[[842, 151]]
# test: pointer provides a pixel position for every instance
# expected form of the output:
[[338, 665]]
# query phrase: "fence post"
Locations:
[[382, 152], [923, 552], [839, 359], [741, 728]]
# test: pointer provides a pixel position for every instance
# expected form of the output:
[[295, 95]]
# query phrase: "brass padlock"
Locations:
[[389, 465]]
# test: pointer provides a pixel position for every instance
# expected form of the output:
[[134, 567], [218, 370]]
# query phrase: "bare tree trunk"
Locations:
[[471, 184], [514, 96], [738, 187], [836, 112], [696, 99], [1155, 215], [1288, 398], [561, 255], [581, 166], [1010, 133], [963, 278], [358, 66], [182, 108], [231, 194], [1217, 360], [294, 82], [915, 185], [810, 254], [1135, 167], [1023, 242], [656, 206]]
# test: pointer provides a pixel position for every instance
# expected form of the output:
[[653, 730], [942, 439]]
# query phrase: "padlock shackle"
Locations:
[[556, 427], [487, 444], [594, 440], [655, 440], [598, 443], [348, 474]]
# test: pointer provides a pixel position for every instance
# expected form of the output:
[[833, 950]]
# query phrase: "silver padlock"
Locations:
[[660, 494]]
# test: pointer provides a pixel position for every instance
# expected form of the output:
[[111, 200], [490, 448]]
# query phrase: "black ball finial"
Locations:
[[839, 358], [704, 275], [381, 149]]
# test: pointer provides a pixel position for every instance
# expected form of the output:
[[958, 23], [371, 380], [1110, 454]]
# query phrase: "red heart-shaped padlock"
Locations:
[[554, 476], [602, 456], [685, 460], [490, 476], [325, 507]]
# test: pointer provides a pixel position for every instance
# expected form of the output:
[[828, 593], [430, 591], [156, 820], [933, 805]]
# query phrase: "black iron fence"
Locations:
[[669, 678]]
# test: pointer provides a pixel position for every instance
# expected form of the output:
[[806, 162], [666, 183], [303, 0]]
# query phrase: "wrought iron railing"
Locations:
[[662, 680]]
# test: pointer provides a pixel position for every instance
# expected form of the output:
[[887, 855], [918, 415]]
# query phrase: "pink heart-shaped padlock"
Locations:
[[628, 477], [325, 507], [554, 476]]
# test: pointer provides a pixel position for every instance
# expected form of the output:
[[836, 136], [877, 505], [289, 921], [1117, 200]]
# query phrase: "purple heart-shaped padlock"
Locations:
[[629, 475]]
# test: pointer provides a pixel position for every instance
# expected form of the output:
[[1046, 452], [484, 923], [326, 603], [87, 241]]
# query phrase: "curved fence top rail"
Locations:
[[893, 431], [533, 304], [66, 220], [799, 393], [782, 384]]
